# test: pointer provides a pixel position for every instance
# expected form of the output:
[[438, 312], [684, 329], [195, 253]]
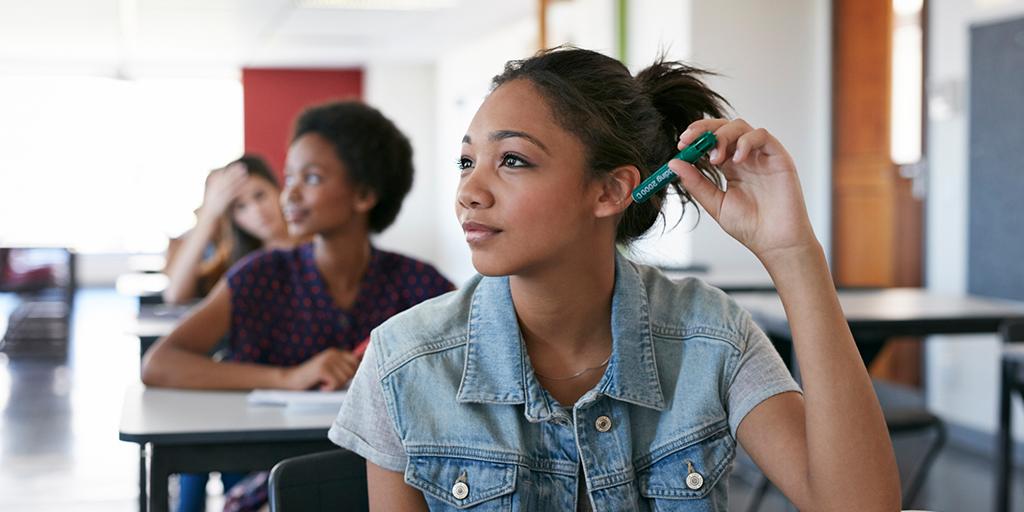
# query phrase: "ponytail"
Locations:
[[681, 98]]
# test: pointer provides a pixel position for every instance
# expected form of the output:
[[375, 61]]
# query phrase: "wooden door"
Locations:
[[877, 222]]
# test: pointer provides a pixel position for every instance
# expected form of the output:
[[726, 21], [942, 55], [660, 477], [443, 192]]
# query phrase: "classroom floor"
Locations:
[[59, 421]]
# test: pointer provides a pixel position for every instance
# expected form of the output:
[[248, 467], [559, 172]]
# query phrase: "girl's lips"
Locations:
[[476, 232], [293, 215]]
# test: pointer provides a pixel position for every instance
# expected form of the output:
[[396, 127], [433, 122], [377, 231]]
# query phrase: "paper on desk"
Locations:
[[297, 399]]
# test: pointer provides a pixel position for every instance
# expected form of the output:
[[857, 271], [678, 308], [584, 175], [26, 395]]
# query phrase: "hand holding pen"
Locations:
[[762, 205]]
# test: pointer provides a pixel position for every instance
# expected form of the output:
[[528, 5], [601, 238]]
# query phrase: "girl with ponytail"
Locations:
[[564, 376]]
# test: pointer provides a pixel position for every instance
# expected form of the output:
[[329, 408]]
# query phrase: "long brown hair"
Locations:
[[234, 243]]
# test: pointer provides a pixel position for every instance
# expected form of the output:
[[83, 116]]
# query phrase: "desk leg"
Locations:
[[869, 349], [1004, 447], [159, 472], [784, 346], [143, 490]]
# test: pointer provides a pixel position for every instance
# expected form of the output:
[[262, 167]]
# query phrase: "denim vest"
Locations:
[[481, 433]]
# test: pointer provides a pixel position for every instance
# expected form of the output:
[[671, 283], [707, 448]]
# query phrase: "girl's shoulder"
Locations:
[[431, 325], [691, 304]]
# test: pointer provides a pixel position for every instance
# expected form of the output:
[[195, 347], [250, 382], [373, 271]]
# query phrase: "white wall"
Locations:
[[774, 59], [962, 371], [762, 70], [405, 92]]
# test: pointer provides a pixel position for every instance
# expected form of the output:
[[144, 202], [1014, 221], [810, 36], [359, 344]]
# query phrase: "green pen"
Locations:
[[663, 176]]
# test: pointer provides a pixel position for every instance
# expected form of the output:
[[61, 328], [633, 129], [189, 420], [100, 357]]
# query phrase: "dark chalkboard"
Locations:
[[996, 174]]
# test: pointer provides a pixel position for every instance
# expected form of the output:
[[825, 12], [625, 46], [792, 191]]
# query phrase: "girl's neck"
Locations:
[[342, 258], [566, 306], [280, 241]]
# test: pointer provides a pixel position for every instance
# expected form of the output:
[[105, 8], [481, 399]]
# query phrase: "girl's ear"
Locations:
[[617, 187], [366, 199]]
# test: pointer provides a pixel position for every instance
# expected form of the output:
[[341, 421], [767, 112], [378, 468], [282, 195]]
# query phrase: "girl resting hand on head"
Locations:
[[240, 214]]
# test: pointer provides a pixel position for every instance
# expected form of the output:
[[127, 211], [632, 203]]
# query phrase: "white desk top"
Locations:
[[729, 281], [156, 320], [899, 311], [175, 416], [898, 304], [141, 284]]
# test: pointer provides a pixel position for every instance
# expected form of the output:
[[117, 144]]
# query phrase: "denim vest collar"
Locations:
[[498, 371]]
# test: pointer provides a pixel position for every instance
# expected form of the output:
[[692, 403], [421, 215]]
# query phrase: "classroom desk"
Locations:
[[878, 314], [729, 281], [184, 431], [148, 287], [147, 263], [154, 321]]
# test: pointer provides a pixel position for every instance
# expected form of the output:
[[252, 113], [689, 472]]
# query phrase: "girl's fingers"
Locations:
[[727, 133], [700, 188], [757, 140], [698, 127], [727, 136]]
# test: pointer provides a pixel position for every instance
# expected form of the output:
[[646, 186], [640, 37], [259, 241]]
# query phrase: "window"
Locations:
[[907, 82], [106, 165]]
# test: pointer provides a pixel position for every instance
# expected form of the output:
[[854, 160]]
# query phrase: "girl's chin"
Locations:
[[491, 265], [299, 230]]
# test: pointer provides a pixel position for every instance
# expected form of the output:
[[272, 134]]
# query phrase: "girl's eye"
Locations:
[[313, 179], [289, 180], [258, 195], [513, 161], [464, 163]]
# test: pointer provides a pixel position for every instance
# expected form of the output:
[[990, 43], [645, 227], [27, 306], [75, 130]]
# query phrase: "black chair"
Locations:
[[334, 480], [902, 417], [1012, 381]]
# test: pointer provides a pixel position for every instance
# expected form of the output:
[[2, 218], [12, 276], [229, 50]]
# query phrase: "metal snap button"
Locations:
[[460, 490], [694, 480], [603, 424]]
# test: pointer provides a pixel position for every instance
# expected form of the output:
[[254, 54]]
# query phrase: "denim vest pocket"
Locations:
[[669, 478], [462, 483]]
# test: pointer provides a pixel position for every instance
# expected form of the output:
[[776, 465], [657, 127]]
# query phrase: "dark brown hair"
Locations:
[[375, 152], [622, 120]]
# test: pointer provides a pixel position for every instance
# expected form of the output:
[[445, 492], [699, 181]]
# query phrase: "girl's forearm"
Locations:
[[168, 366], [183, 270], [850, 457]]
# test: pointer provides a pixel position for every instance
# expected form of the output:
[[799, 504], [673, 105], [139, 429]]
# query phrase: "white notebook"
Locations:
[[297, 399]]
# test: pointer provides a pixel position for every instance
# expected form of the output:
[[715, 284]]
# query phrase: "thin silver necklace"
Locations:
[[577, 374]]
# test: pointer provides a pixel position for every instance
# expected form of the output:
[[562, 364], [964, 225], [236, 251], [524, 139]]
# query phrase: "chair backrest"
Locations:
[[1013, 330], [334, 480]]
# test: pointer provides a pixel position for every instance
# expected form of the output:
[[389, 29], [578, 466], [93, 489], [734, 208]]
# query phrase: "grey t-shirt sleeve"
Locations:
[[363, 424], [760, 374]]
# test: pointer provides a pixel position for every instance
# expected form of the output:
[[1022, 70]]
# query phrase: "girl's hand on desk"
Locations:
[[762, 206], [329, 370]]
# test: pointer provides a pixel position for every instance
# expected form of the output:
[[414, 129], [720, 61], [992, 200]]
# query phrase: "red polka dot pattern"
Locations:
[[282, 312]]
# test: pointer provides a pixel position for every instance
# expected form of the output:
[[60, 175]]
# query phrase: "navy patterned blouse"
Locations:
[[282, 313]]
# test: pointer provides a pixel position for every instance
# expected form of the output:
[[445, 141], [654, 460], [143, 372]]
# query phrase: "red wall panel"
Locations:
[[273, 98]]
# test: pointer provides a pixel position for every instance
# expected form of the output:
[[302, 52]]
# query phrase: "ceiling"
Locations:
[[128, 38]]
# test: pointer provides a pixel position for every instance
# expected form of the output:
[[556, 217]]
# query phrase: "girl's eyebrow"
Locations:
[[509, 134]]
